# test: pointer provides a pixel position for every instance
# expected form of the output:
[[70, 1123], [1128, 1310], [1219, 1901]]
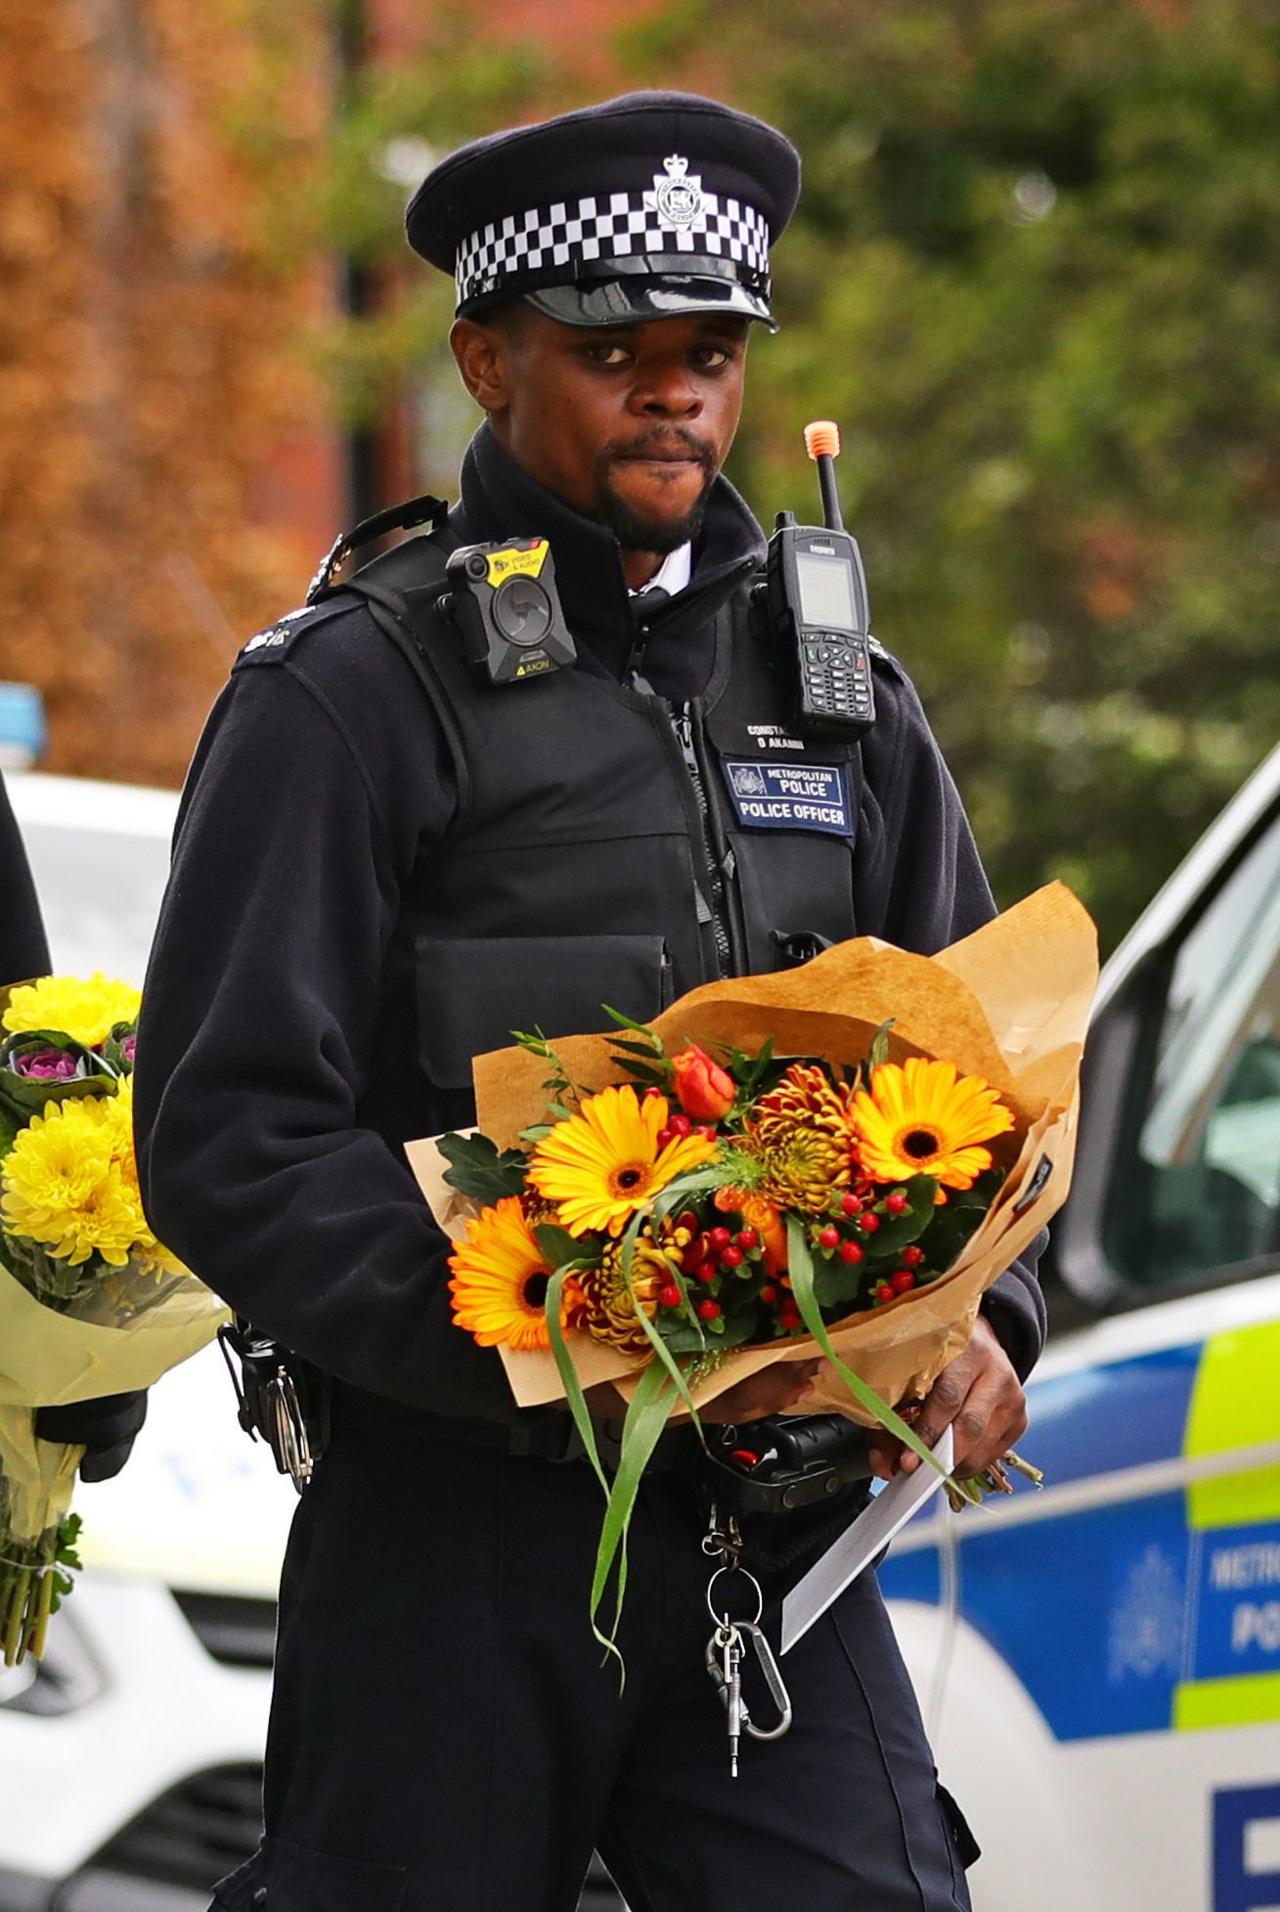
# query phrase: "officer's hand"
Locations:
[[979, 1396], [105, 1427], [771, 1390]]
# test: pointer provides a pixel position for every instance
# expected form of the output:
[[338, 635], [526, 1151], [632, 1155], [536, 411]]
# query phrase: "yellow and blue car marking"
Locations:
[[1140, 1590]]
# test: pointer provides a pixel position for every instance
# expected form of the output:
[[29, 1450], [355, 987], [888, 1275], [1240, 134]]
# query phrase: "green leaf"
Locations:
[[641, 1028], [897, 1232], [835, 1282], [559, 1246], [800, 1268], [645, 1072], [479, 1170], [878, 1048], [647, 1414]]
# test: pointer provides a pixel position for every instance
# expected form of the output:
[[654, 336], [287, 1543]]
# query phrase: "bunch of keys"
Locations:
[[728, 1644]]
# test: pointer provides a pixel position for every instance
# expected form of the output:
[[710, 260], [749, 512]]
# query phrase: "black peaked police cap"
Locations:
[[639, 208]]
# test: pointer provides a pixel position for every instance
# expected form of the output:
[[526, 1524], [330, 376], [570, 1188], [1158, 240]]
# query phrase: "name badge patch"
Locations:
[[789, 796]]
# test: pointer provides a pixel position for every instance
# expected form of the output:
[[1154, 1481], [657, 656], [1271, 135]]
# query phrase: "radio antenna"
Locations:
[[822, 442]]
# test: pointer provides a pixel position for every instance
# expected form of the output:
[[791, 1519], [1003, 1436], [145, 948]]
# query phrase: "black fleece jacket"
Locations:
[[318, 788]]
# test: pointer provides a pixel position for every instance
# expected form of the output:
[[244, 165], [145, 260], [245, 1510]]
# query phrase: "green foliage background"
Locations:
[[1035, 277]]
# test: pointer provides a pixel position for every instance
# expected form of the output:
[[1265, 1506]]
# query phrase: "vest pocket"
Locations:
[[474, 990]]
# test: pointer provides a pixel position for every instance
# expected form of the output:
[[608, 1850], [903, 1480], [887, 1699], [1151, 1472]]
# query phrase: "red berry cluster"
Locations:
[[846, 1237], [711, 1254]]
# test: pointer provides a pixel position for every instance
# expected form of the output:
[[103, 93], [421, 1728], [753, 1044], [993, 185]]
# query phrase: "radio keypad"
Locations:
[[836, 676]]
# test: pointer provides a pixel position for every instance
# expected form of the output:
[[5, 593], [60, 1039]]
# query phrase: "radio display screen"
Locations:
[[826, 591]]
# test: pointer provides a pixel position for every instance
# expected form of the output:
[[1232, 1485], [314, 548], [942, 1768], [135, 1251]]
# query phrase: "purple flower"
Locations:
[[128, 1047], [46, 1065]]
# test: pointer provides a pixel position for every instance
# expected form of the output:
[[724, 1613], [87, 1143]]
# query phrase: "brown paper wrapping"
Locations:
[[1011, 1003]]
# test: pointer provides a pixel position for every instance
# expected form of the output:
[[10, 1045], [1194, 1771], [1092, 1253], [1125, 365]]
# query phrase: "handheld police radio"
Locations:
[[504, 601], [817, 595]]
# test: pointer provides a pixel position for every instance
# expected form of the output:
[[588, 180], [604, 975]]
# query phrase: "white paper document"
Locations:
[[874, 1528]]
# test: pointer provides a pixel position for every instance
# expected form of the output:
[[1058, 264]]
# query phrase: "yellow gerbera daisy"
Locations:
[[925, 1118], [603, 1165], [500, 1277]]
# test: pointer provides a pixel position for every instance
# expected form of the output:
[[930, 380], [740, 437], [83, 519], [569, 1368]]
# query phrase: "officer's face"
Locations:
[[629, 425]]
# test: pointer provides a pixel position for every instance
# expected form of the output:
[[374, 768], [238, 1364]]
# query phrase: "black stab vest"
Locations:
[[576, 871]]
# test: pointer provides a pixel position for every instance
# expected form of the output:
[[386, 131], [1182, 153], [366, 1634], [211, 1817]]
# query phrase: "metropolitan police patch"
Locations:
[[789, 796]]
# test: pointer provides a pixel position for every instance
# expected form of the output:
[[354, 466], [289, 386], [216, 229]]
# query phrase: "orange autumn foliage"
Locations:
[[148, 366]]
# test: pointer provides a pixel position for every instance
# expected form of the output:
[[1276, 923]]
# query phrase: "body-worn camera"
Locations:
[[780, 1462], [504, 601]]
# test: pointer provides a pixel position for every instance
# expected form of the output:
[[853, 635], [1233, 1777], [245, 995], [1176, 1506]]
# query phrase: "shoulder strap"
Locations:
[[401, 587]]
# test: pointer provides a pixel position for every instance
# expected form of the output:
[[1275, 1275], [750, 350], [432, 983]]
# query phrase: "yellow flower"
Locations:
[[604, 1165], [924, 1118], [85, 1011], [500, 1277], [61, 1188]]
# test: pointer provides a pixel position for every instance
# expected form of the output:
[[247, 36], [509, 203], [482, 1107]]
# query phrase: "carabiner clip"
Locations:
[[772, 1679]]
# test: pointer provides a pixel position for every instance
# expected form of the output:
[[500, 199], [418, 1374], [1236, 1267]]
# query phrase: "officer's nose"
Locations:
[[668, 392]]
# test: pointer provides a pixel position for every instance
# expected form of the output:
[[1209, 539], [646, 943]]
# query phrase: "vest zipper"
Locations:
[[687, 720]]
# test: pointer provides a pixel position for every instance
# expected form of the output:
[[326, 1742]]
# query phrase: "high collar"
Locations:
[[613, 630]]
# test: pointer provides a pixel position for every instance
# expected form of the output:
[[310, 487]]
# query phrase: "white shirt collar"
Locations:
[[673, 574]]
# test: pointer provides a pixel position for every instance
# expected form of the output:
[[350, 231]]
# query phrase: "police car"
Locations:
[[1099, 1663]]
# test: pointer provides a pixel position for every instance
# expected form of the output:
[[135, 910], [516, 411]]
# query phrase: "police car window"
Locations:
[[1203, 1194]]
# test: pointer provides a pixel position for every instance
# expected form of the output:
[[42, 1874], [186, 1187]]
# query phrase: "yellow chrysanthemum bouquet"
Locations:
[[836, 1160], [90, 1302]]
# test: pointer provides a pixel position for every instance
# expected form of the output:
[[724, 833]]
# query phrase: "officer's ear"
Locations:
[[483, 354]]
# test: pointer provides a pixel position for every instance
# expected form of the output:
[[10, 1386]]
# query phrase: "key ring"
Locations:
[[726, 1622]]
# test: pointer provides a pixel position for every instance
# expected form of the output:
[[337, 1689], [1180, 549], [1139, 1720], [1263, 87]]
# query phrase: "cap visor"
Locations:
[[634, 300]]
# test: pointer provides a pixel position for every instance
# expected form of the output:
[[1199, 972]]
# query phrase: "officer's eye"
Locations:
[[602, 353]]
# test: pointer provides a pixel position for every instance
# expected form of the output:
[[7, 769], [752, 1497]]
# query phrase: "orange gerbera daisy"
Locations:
[[603, 1166], [500, 1276]]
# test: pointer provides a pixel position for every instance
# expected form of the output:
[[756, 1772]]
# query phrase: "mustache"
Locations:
[[664, 441]]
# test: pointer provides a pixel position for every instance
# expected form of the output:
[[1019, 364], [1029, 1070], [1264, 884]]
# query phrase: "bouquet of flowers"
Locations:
[[835, 1160], [90, 1302]]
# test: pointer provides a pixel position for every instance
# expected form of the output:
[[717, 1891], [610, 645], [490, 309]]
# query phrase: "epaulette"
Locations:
[[879, 655], [273, 645]]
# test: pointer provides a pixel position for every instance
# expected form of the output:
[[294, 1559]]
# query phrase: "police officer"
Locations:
[[384, 863]]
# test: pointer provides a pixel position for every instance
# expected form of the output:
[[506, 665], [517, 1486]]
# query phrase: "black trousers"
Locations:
[[445, 1737]]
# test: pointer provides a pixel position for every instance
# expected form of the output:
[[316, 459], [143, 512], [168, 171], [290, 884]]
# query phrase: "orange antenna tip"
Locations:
[[822, 438]]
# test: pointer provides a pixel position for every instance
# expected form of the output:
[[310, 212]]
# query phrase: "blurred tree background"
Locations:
[[1034, 276]]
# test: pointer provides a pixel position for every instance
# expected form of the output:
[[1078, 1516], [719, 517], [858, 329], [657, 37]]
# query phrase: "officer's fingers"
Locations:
[[884, 1456], [770, 1391], [941, 1405], [992, 1414], [991, 1421]]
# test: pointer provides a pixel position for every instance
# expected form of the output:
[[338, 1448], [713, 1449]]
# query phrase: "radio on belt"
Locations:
[[504, 600], [817, 595]]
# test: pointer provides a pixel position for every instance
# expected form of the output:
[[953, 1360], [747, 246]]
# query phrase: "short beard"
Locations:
[[635, 532]]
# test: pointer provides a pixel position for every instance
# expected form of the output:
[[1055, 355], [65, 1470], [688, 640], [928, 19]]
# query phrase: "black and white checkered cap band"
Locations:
[[606, 226]]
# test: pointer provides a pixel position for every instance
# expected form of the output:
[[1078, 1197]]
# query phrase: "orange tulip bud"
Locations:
[[705, 1090]]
